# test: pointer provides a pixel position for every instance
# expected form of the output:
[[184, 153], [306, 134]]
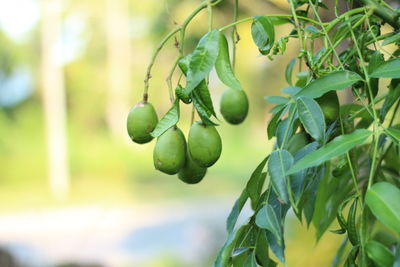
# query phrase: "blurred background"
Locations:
[[74, 191]]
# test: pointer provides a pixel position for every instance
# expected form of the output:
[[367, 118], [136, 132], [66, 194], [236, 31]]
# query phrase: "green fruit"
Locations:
[[191, 173], [142, 119], [170, 151], [329, 104], [234, 105], [296, 142], [204, 144]]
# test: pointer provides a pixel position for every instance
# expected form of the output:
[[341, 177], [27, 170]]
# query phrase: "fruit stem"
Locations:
[[270, 16], [181, 28], [153, 59], [235, 35]]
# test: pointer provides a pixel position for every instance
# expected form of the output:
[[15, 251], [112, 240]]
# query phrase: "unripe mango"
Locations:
[[329, 104], [142, 119], [191, 173], [170, 151], [297, 142], [204, 144], [234, 105]]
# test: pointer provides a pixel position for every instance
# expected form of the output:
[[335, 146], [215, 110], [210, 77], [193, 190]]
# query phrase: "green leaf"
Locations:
[[202, 109], [394, 134], [392, 39], [337, 80], [277, 249], [384, 201], [336, 147], [291, 90], [330, 193], [250, 261], [298, 180], [380, 254], [226, 251], [202, 92], [311, 29], [388, 69], [203, 59], [266, 218], [279, 162], [263, 33], [284, 132], [200, 95], [376, 60], [339, 253], [390, 99], [289, 71], [255, 183], [223, 65], [169, 120], [312, 117], [276, 99], [235, 212], [262, 252], [273, 124]]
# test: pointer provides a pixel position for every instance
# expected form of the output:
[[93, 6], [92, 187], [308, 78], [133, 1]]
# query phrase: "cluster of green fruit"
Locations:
[[171, 153]]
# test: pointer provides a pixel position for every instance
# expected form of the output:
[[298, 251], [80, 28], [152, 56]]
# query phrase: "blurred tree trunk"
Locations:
[[119, 64], [54, 99]]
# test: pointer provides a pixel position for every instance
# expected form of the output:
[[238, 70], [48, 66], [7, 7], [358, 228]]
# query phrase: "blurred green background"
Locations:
[[73, 188]]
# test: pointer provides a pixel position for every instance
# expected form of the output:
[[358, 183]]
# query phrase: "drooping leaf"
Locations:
[[202, 109], [330, 194], [289, 71], [392, 39], [336, 147], [273, 124], [255, 183], [223, 65], [262, 253], [390, 99], [303, 78], [169, 120], [380, 254], [279, 163], [339, 253], [235, 212], [203, 59], [384, 201], [200, 95], [226, 251], [250, 261], [286, 127], [337, 80], [291, 90], [376, 60], [267, 219], [394, 134], [308, 199], [388, 69], [284, 132], [312, 117], [276, 99], [263, 33], [298, 180], [277, 249], [311, 29]]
